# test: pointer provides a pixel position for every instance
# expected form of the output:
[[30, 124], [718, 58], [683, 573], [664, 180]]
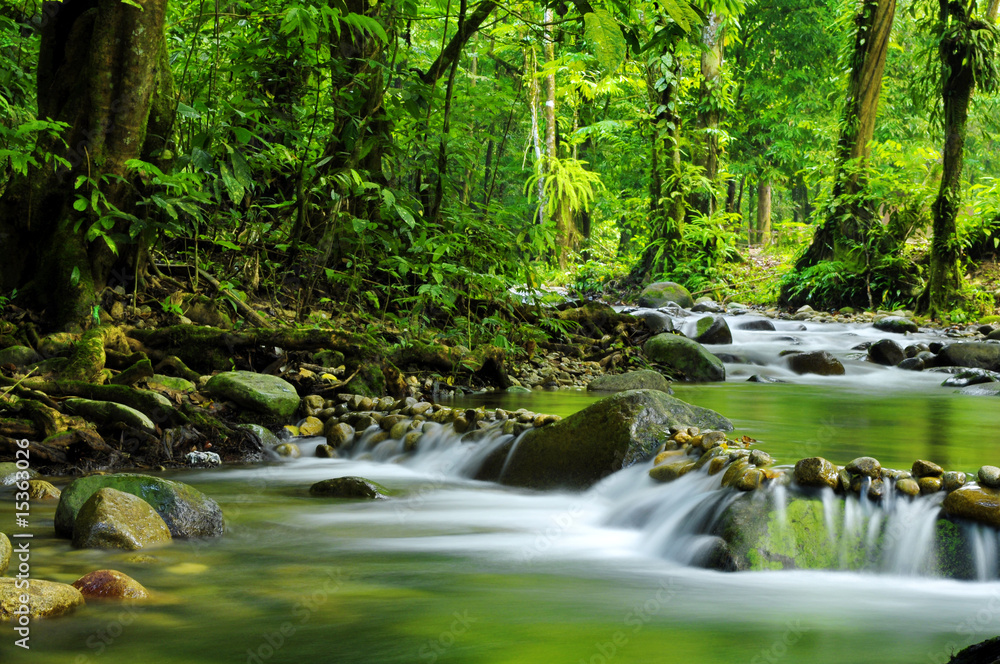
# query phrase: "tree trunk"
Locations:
[[842, 235], [709, 113], [442, 173], [764, 211], [956, 54], [103, 70]]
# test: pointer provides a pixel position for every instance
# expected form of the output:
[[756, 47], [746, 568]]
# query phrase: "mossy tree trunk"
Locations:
[[846, 226], [709, 113], [959, 50], [764, 210], [102, 70]]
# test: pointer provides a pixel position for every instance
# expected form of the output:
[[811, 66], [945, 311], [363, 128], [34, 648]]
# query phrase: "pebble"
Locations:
[[923, 468], [929, 485], [866, 466], [952, 480], [908, 487], [989, 476]]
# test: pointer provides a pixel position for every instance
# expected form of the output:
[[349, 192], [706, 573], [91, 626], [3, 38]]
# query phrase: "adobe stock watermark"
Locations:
[[779, 648], [434, 648], [633, 622], [21, 615], [105, 637], [302, 612]]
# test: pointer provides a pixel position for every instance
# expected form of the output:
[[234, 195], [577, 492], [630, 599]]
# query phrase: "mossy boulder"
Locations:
[[662, 292], [897, 324], [643, 379], [19, 356], [5, 552], [349, 487], [606, 436], [112, 519], [108, 413], [110, 584], [712, 330], [161, 382], [46, 599], [684, 357], [186, 511], [42, 490], [273, 398], [973, 354]]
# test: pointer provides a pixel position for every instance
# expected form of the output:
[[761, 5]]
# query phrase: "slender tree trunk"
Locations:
[[103, 70], [442, 166], [709, 113], [845, 227], [764, 211], [958, 81]]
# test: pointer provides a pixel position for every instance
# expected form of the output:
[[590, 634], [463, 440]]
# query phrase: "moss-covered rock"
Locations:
[[112, 519], [975, 503], [684, 357], [46, 599], [973, 354], [897, 324], [186, 511], [110, 584], [595, 442], [662, 292], [349, 487], [5, 552], [712, 330], [42, 490], [643, 379], [19, 356], [108, 413], [270, 396], [161, 382]]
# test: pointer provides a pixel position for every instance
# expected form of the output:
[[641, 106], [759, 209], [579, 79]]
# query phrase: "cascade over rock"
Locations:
[[686, 357], [606, 436]]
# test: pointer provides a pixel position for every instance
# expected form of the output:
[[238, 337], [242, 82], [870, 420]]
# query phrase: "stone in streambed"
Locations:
[[42, 490], [46, 599], [923, 468], [971, 377], [349, 487], [581, 449], [288, 450], [712, 330], [908, 486], [989, 476], [186, 511], [643, 379], [5, 552], [952, 479], [886, 352], [112, 519], [818, 362], [270, 396], [897, 324], [338, 434], [684, 356], [976, 503], [757, 325], [662, 292], [656, 321], [865, 466], [816, 472], [310, 426], [10, 473], [973, 354], [110, 584]]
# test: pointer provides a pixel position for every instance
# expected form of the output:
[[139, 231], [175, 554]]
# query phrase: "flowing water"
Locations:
[[453, 570]]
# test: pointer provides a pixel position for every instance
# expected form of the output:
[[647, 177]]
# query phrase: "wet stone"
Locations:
[[908, 487], [952, 480], [866, 466], [922, 468], [989, 476], [326, 452], [929, 485], [816, 472], [760, 458], [876, 490], [750, 480], [716, 465]]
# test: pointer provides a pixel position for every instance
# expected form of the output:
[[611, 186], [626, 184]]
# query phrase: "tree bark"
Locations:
[[103, 70], [845, 227], [764, 211], [709, 113]]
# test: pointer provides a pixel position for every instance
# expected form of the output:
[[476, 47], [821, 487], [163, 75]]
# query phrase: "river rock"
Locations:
[[865, 466], [112, 519], [159, 381], [973, 354], [5, 552], [886, 352], [989, 476], [908, 486], [686, 357], [604, 437], [288, 450], [712, 330], [929, 485], [9, 473], [42, 490], [976, 503], [658, 294], [186, 511], [756, 325], [817, 472], [818, 362], [643, 379], [108, 413], [338, 434], [110, 584], [986, 652], [656, 321], [270, 396], [952, 479], [46, 599], [19, 356], [349, 487], [310, 426], [971, 377], [923, 468], [897, 324], [263, 436], [912, 364]]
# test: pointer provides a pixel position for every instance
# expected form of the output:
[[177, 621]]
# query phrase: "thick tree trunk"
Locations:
[[709, 113], [103, 70], [844, 230]]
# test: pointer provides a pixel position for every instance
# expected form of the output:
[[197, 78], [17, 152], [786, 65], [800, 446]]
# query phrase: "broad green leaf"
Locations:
[[80, 205], [187, 112], [74, 278], [233, 185], [602, 31]]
